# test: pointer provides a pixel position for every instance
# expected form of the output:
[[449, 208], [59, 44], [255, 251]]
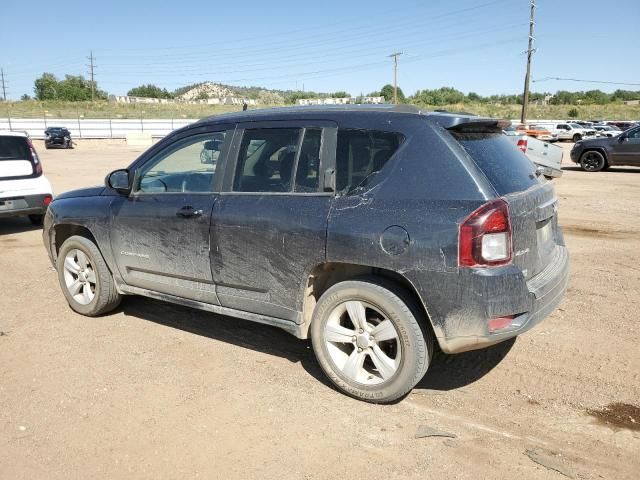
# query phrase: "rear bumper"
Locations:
[[545, 291], [548, 171], [23, 205]]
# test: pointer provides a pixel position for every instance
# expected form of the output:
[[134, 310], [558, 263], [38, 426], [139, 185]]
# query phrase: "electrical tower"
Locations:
[[4, 85], [529, 52], [395, 75], [92, 67]]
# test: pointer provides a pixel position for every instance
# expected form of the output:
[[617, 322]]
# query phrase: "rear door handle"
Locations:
[[189, 212]]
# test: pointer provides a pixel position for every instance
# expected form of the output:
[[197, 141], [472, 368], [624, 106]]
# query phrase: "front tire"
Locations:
[[577, 137], [368, 340], [593, 161], [85, 279]]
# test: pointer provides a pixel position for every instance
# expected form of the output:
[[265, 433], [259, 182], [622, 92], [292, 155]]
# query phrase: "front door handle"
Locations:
[[189, 212]]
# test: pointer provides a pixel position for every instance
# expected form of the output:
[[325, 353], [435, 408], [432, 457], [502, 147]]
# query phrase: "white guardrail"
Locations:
[[96, 128]]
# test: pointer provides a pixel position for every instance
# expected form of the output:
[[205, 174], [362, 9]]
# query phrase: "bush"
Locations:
[[573, 113]]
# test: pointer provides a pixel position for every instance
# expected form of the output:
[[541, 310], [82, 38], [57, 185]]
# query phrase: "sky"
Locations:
[[322, 45]]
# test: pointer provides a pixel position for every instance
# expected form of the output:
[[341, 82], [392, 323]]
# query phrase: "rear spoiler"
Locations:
[[468, 123], [481, 125]]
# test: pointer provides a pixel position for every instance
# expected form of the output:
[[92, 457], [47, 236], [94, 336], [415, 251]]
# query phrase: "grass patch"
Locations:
[[104, 109]]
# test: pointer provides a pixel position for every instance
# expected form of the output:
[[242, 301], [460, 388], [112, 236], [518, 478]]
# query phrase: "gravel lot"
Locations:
[[160, 391]]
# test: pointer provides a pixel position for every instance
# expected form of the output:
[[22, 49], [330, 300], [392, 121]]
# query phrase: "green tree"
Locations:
[[149, 91], [46, 87], [596, 97], [439, 97], [74, 88], [340, 94], [387, 93], [25, 97], [474, 97]]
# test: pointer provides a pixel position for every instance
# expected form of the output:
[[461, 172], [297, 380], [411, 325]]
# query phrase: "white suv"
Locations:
[[24, 190]]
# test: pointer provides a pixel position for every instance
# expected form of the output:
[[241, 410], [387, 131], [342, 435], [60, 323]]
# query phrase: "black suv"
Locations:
[[378, 232], [57, 137], [601, 153]]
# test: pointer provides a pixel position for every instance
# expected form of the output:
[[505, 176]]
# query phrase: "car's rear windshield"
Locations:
[[506, 167], [14, 148]]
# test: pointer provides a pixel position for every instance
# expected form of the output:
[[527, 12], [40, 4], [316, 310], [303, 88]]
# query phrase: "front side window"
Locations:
[[361, 154], [635, 134], [266, 160], [187, 166]]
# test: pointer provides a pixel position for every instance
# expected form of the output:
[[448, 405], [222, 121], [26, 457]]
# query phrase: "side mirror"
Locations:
[[119, 180], [212, 145], [622, 138]]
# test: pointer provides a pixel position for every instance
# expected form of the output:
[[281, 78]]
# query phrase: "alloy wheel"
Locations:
[[80, 276], [592, 161], [362, 343]]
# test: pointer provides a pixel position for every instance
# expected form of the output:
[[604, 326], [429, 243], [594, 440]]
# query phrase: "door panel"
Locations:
[[267, 241], [626, 150], [265, 246], [160, 234], [161, 246]]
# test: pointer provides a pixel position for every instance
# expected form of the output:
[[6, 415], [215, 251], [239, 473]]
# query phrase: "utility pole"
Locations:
[[395, 56], [92, 66], [4, 86], [529, 52]]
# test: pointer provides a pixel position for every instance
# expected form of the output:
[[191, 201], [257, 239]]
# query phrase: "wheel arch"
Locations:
[[63, 231], [325, 275]]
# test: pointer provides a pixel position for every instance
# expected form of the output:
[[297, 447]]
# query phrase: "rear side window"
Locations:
[[266, 160], [508, 169], [14, 148], [361, 154]]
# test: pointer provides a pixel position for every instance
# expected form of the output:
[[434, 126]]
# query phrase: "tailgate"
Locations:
[[544, 153], [534, 224]]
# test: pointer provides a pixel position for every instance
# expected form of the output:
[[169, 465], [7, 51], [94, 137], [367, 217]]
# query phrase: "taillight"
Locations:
[[36, 161], [485, 236], [522, 145], [47, 200]]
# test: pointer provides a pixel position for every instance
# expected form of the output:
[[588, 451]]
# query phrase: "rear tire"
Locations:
[[36, 219], [368, 340], [577, 137], [593, 161], [85, 279]]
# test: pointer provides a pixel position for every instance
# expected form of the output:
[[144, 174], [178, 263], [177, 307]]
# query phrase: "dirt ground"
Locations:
[[160, 391]]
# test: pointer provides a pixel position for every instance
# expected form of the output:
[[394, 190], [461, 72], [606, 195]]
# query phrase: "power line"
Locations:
[[530, 50], [586, 81], [395, 56]]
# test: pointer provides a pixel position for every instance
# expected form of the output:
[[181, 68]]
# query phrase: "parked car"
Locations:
[[601, 153], [538, 132], [24, 190], [622, 125], [582, 123], [546, 157], [377, 231], [57, 137], [607, 131], [568, 131]]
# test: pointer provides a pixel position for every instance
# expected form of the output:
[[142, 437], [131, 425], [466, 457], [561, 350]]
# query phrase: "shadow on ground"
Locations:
[[608, 170], [11, 225], [447, 372]]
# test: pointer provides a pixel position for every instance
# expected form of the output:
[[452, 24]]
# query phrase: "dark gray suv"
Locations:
[[601, 153], [379, 232]]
